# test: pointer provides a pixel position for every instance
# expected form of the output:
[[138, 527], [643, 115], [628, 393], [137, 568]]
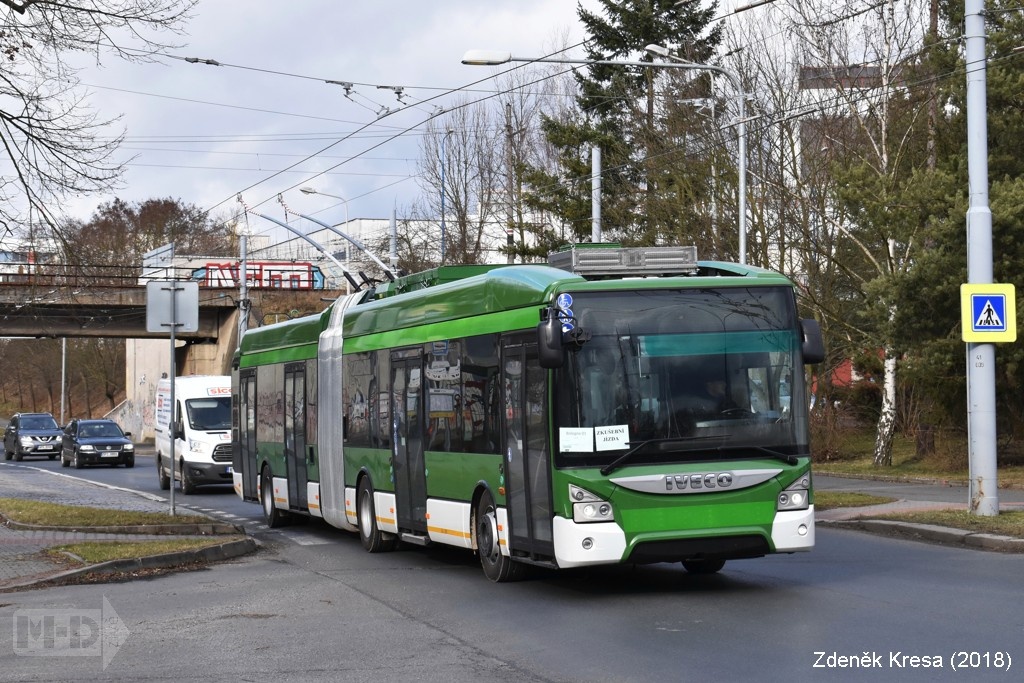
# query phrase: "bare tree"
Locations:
[[109, 247], [55, 145], [465, 179]]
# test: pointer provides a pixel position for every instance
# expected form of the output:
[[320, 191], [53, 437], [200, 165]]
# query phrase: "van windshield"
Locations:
[[209, 414]]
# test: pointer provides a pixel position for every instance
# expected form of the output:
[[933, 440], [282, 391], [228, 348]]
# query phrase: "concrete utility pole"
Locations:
[[595, 194], [981, 366]]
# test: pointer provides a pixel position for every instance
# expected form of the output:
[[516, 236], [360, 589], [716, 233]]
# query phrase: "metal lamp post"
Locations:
[[313, 190], [490, 58]]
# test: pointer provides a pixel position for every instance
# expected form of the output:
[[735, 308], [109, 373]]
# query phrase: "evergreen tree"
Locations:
[[618, 109]]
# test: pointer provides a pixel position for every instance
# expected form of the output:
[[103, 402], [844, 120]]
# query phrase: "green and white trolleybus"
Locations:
[[620, 405]]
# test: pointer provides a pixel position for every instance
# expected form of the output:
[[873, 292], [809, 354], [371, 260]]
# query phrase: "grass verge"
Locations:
[[1009, 523], [26, 511], [830, 500], [94, 552]]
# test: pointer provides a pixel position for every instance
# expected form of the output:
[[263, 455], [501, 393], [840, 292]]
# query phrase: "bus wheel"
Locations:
[[372, 538], [165, 480], [275, 517], [703, 566], [497, 567]]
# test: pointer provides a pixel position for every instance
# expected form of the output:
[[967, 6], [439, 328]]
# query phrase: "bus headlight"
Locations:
[[587, 507], [796, 496]]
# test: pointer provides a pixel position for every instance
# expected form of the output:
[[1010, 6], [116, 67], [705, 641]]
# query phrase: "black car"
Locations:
[[96, 442], [32, 434]]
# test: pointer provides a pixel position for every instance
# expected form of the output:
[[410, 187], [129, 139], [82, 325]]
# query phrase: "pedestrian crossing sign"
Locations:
[[988, 313]]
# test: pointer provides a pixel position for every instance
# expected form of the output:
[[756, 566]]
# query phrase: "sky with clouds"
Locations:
[[266, 121]]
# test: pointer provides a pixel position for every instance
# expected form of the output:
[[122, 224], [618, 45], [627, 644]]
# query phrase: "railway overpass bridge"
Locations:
[[52, 309], [41, 298]]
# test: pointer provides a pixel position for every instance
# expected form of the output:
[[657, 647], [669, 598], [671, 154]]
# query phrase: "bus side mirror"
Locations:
[[813, 345], [550, 351]]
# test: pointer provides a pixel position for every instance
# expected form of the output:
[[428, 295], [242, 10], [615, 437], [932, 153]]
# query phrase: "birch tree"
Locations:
[[866, 61]]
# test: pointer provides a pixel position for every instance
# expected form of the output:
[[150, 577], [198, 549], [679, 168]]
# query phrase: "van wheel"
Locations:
[[187, 487], [275, 517], [165, 480], [373, 539]]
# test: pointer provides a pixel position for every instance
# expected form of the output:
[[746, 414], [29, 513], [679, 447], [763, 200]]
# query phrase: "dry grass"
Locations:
[[829, 500], [1004, 524], [26, 511], [93, 552]]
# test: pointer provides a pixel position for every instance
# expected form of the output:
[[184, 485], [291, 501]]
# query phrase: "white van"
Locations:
[[200, 429]]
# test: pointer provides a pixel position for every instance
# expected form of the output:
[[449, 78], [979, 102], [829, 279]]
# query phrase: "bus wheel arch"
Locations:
[[370, 535]]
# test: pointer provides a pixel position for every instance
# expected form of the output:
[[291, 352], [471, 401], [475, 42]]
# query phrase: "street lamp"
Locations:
[[491, 58], [313, 190], [443, 230], [741, 134]]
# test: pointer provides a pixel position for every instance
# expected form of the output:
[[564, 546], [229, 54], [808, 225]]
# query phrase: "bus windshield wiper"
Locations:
[[662, 444], [789, 459]]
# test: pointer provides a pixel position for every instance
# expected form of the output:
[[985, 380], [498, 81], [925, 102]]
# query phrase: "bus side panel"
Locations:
[[449, 522], [376, 462], [454, 476]]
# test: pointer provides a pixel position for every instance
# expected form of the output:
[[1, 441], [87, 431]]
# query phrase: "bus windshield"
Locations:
[[703, 374]]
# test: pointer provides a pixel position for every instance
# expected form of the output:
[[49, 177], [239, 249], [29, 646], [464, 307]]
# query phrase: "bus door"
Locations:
[[407, 439], [525, 445], [246, 456], [295, 433]]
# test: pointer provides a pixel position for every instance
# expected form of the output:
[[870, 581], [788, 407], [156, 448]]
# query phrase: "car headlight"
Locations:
[[195, 445], [587, 507], [129, 447], [26, 441], [86, 447]]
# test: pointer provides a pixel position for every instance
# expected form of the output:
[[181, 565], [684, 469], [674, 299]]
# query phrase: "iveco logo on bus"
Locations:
[[710, 480]]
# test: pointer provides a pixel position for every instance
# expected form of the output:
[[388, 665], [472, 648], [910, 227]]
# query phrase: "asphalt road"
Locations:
[[312, 605]]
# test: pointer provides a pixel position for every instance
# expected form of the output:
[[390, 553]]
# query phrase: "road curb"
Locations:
[[214, 553], [932, 534]]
